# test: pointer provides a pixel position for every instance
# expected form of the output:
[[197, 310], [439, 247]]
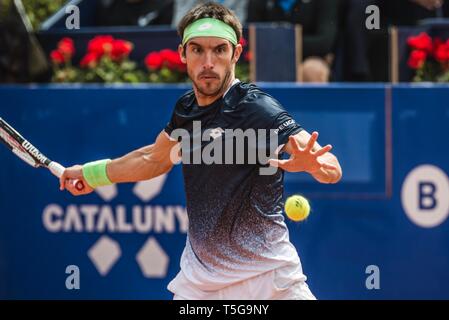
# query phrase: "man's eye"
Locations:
[[196, 50], [221, 50]]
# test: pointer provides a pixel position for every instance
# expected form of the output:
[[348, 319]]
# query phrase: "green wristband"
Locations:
[[95, 173]]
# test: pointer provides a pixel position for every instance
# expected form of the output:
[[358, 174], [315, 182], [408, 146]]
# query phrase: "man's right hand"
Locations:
[[69, 176]]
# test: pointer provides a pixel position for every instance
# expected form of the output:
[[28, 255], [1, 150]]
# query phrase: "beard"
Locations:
[[209, 89]]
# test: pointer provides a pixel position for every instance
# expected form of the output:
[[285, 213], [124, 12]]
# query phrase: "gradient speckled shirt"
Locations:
[[236, 223]]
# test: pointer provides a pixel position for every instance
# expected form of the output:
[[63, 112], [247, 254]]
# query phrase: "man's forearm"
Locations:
[[138, 165]]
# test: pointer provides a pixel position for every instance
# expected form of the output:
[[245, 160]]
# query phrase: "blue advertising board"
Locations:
[[381, 233]]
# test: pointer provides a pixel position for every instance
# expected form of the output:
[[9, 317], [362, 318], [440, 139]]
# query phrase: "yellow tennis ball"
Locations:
[[297, 208]]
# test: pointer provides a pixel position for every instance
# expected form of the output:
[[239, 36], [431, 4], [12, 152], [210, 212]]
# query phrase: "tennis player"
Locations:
[[237, 244]]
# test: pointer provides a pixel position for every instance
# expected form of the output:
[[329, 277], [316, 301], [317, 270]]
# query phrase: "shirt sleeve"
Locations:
[[171, 125], [176, 120], [278, 123], [274, 117], [285, 126]]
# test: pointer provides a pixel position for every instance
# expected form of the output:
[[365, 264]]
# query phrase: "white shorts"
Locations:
[[278, 284]]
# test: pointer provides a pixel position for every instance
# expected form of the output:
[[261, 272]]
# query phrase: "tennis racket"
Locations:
[[29, 153]]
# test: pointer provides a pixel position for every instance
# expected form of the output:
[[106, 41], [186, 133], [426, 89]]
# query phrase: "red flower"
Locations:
[[66, 48], [421, 42], [120, 49], [172, 60], [57, 57], [441, 50], [243, 42], [249, 56], [90, 60], [101, 45], [417, 59], [117, 49], [153, 61], [437, 42], [442, 54]]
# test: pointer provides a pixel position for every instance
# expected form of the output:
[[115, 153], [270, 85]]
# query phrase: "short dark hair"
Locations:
[[211, 10]]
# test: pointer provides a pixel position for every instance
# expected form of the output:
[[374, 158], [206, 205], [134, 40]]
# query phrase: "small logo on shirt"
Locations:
[[230, 146], [217, 132], [284, 125]]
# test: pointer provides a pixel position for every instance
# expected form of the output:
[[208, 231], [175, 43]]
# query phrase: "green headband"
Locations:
[[209, 27]]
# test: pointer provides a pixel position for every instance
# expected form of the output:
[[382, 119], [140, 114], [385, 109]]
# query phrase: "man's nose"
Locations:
[[208, 61]]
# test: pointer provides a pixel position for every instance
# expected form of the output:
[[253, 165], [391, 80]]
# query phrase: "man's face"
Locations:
[[210, 63]]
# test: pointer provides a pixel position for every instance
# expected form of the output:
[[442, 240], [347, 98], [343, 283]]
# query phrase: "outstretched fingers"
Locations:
[[311, 142], [323, 150], [294, 144]]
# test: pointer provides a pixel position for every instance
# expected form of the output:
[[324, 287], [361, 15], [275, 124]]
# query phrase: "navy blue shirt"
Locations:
[[235, 212]]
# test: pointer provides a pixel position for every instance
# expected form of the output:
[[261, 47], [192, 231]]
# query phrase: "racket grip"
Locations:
[[58, 170]]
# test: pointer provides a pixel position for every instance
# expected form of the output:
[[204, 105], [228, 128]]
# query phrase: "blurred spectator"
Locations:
[[134, 12], [410, 12], [416, 10], [429, 4], [21, 57], [361, 54], [319, 22], [183, 6], [375, 43], [315, 70]]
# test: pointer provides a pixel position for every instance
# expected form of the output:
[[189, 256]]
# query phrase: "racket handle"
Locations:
[[58, 170]]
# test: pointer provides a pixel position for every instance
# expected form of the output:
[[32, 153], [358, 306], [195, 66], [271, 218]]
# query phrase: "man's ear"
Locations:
[[182, 53], [237, 52]]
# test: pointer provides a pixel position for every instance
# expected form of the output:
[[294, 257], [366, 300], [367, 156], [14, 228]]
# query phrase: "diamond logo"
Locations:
[[107, 193], [152, 259], [215, 133], [104, 254], [147, 190]]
